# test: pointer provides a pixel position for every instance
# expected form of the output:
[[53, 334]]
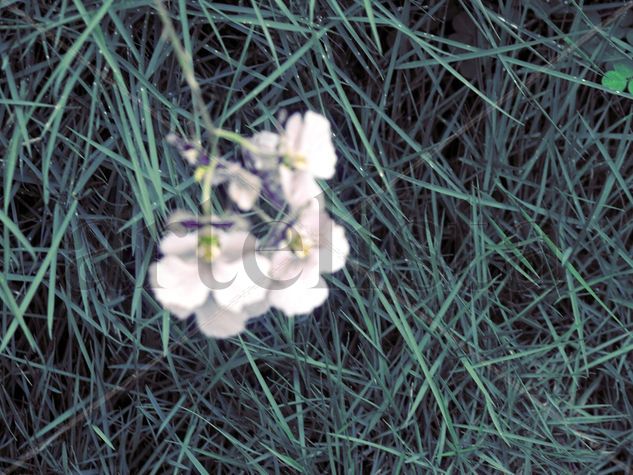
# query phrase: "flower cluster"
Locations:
[[226, 270]]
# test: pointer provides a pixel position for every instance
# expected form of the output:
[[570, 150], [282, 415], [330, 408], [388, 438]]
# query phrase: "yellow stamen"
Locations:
[[300, 245], [200, 172], [208, 247], [295, 160]]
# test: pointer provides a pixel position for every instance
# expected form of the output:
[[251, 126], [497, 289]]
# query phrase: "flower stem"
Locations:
[[186, 63], [236, 138]]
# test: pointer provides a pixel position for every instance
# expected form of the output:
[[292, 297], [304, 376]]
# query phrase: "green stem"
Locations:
[[186, 63], [236, 138]]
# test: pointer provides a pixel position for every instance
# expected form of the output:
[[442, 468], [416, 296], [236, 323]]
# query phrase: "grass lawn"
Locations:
[[483, 323]]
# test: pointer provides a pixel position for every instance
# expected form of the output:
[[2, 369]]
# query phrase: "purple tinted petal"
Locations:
[[269, 194], [183, 146], [190, 224], [223, 225]]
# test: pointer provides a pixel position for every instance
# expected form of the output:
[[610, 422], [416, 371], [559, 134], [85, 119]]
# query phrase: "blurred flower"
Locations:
[[316, 245], [218, 322], [306, 152], [243, 187], [298, 187], [237, 275], [306, 144], [175, 278], [209, 273], [190, 151], [211, 267], [267, 159]]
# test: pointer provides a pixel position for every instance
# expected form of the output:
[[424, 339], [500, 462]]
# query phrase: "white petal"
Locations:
[[292, 136], [190, 155], [258, 308], [235, 244], [183, 245], [312, 219], [177, 285], [299, 187], [244, 188], [286, 269], [299, 298], [333, 247], [220, 175], [181, 313], [316, 145], [218, 322], [241, 282], [297, 287], [268, 144]]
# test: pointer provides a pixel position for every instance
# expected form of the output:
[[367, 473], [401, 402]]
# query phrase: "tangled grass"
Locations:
[[483, 323]]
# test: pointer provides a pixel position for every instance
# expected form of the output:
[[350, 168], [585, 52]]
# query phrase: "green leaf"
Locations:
[[102, 435], [614, 80], [624, 69], [630, 87]]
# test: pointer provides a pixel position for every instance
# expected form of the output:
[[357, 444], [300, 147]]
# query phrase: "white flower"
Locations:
[[298, 187], [210, 273], [238, 273], [306, 151], [218, 322], [175, 278], [188, 151], [306, 144], [316, 245], [267, 157], [243, 186]]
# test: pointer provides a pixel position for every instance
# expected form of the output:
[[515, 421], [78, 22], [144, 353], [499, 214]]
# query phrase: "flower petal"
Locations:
[[177, 285], [287, 270], [258, 308], [244, 188], [268, 144], [235, 244], [293, 130], [191, 155], [298, 186], [316, 145], [299, 298], [312, 219], [241, 282], [218, 322], [286, 267], [183, 245], [220, 175], [180, 222], [333, 246]]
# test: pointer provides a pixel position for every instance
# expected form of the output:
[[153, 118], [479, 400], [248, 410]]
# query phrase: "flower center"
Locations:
[[295, 160], [200, 172], [208, 247], [300, 245]]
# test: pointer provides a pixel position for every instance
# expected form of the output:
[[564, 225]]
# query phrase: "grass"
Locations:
[[483, 322]]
